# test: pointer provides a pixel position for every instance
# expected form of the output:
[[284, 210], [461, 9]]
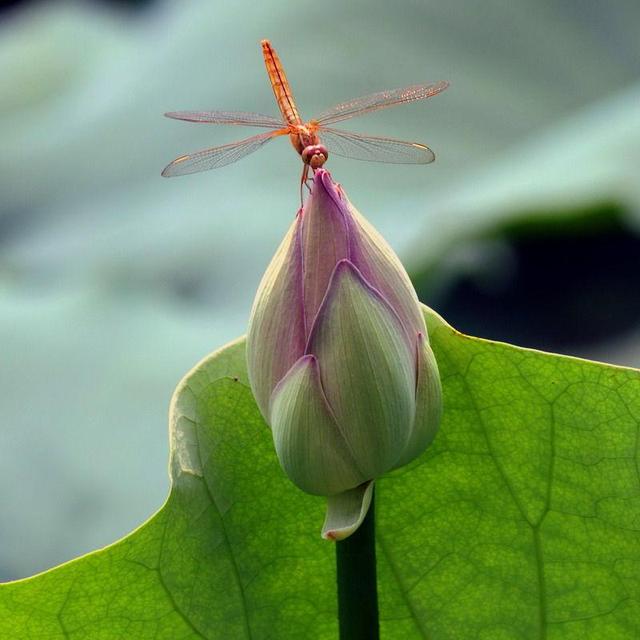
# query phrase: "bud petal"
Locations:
[[367, 250], [276, 335], [382, 269], [428, 403], [367, 370], [309, 445], [346, 511]]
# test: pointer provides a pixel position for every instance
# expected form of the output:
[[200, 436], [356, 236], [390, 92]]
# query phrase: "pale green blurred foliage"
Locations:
[[114, 281]]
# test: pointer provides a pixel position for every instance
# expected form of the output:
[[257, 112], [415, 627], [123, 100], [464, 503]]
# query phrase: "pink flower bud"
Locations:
[[338, 357]]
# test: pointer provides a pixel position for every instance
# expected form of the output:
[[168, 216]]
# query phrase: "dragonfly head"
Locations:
[[315, 155]]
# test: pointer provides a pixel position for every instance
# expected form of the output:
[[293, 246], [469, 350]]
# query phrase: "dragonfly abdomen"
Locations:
[[280, 84]]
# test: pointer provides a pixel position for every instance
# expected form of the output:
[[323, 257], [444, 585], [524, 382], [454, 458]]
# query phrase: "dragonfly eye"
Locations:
[[315, 155]]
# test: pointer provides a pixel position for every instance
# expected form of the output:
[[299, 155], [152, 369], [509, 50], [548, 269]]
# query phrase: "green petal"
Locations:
[[382, 268], [428, 404], [276, 336], [367, 370], [346, 511], [309, 445]]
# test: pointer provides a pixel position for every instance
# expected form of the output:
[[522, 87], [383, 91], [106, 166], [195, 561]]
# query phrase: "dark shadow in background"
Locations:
[[9, 6], [569, 283]]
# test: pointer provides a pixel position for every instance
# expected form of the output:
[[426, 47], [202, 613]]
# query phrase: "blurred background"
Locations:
[[114, 282]]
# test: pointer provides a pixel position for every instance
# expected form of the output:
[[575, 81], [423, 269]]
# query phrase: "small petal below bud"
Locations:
[[346, 511]]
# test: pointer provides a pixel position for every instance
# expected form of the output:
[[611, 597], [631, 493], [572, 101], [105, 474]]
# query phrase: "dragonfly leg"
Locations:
[[304, 181]]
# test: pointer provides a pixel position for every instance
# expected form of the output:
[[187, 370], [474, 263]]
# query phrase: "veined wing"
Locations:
[[218, 156], [374, 149], [380, 100], [227, 117]]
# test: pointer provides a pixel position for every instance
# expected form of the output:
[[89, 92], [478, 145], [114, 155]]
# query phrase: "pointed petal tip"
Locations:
[[300, 363], [321, 174], [423, 339], [323, 184], [343, 269], [346, 265], [332, 536]]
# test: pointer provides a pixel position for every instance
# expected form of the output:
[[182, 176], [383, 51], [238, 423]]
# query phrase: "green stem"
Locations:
[[357, 586]]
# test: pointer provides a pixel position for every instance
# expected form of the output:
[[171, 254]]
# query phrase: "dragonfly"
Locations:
[[311, 139]]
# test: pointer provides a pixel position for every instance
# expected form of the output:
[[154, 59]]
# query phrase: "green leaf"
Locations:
[[521, 521]]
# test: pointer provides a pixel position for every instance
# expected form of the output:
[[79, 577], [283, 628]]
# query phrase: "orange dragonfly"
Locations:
[[307, 138]]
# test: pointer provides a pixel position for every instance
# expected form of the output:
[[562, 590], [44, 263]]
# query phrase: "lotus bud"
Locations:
[[339, 359]]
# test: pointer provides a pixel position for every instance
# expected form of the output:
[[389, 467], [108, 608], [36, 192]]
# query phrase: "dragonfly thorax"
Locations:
[[302, 136]]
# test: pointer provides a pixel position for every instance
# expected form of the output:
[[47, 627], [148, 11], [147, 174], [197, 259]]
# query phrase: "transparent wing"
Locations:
[[227, 117], [218, 156], [374, 149], [380, 100]]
